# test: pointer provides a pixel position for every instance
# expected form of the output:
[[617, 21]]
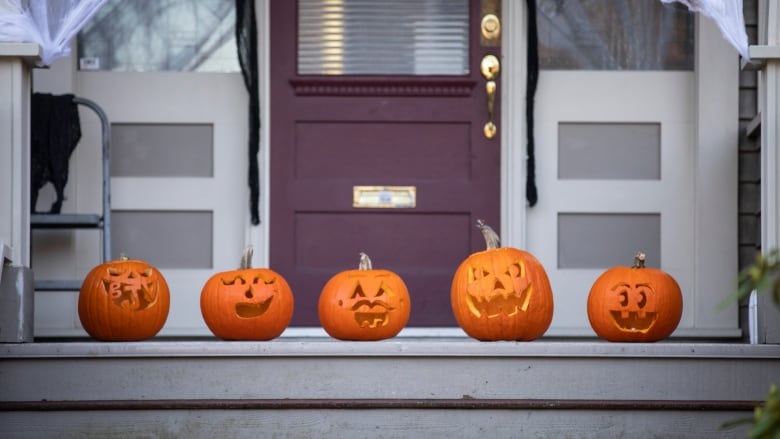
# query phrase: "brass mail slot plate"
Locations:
[[384, 197]]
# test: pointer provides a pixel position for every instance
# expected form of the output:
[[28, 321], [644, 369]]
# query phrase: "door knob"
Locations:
[[490, 68]]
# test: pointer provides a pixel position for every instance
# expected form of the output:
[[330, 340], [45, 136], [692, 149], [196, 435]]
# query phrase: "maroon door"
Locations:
[[330, 134]]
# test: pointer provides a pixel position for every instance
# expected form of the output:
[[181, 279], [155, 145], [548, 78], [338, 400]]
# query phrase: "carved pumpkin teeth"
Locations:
[[371, 319], [248, 310], [633, 321], [503, 302]]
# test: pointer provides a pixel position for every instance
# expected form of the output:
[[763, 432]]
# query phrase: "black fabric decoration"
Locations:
[[246, 42], [55, 130], [533, 78]]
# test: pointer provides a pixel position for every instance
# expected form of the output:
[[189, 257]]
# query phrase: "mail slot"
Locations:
[[384, 197]]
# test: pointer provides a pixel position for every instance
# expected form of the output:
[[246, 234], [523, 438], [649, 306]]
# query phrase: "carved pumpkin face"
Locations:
[[501, 293], [247, 304], [634, 304], [124, 300], [364, 304], [493, 294]]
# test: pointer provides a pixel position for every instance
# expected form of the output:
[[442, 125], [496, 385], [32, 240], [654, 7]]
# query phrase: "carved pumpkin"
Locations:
[[635, 303], [123, 300], [247, 303], [364, 304], [501, 293]]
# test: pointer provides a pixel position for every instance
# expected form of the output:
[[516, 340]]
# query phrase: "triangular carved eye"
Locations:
[[112, 271], [358, 292], [147, 272]]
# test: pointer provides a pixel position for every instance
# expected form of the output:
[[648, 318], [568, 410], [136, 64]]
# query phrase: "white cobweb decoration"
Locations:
[[727, 14], [51, 24]]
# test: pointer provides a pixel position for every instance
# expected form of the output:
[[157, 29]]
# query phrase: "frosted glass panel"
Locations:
[[165, 239], [620, 151], [614, 35], [603, 240], [393, 37], [162, 150]]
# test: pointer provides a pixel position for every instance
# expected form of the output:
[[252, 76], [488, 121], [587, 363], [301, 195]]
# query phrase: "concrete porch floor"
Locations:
[[403, 387]]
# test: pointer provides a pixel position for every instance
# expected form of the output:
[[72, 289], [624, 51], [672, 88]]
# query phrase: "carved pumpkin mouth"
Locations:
[[634, 321], [248, 310], [371, 314], [493, 297]]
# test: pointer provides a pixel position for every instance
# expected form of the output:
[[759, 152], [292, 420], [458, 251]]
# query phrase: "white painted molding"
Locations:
[[769, 108], [513, 126]]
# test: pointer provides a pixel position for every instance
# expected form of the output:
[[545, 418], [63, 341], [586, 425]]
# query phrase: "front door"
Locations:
[[378, 144]]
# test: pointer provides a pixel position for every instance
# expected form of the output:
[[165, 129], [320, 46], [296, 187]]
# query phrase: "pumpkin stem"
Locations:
[[365, 262], [123, 257], [492, 240], [246, 258], [639, 260]]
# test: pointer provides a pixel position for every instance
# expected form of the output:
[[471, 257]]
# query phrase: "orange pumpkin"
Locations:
[[123, 300], [634, 304], [501, 293], [364, 304], [247, 303]]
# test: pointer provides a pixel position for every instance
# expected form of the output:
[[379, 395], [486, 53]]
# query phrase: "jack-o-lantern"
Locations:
[[123, 300], [634, 304], [364, 304], [247, 303], [501, 293]]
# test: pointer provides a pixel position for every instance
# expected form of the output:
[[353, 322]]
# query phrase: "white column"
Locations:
[[16, 62]]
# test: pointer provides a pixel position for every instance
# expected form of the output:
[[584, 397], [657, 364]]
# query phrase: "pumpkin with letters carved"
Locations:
[[123, 300], [247, 303], [635, 304], [501, 293], [364, 304]]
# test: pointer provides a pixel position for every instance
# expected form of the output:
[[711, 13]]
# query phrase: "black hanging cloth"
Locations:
[[246, 42], [531, 194], [55, 130]]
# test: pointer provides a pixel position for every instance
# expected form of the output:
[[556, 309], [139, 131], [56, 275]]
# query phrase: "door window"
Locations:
[[614, 35], [163, 35], [398, 37]]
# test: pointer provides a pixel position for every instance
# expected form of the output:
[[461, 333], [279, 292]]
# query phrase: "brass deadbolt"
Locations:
[[491, 27]]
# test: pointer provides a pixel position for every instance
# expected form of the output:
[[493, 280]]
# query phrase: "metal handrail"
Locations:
[[106, 133]]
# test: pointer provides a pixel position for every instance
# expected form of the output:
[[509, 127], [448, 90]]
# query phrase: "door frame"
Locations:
[[715, 162]]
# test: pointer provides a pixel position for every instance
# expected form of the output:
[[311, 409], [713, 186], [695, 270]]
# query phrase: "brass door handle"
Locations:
[[490, 67]]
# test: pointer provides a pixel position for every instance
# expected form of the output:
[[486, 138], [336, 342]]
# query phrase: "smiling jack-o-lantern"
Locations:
[[364, 304], [123, 300], [634, 303], [247, 303], [501, 293]]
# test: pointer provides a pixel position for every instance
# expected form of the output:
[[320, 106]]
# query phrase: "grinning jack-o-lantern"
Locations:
[[247, 303], [123, 300], [364, 304], [634, 304], [501, 293]]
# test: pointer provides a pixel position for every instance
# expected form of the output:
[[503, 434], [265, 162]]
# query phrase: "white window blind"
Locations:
[[385, 37]]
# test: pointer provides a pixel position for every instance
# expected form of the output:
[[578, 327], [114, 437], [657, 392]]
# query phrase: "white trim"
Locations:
[[716, 182], [16, 77], [769, 108], [259, 236], [513, 132]]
